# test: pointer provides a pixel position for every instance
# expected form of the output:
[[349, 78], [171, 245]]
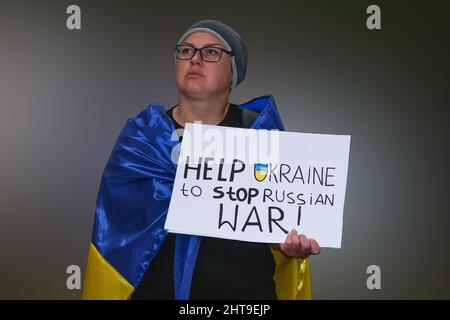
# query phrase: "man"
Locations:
[[131, 255]]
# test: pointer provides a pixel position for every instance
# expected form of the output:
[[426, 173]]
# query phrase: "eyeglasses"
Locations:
[[209, 54]]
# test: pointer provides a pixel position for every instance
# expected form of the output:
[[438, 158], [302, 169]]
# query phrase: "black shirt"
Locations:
[[225, 269]]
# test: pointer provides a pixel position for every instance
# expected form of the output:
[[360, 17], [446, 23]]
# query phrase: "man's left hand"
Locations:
[[299, 246]]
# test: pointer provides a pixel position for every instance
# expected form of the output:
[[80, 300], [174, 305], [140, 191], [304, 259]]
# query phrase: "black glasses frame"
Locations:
[[177, 52]]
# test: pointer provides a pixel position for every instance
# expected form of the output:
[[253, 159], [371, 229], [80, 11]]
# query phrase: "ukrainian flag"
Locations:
[[132, 206], [260, 171]]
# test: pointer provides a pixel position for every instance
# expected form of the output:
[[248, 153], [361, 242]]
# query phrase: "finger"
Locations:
[[288, 237], [294, 232], [290, 246], [296, 245], [282, 247], [286, 240], [315, 248], [285, 245], [306, 249]]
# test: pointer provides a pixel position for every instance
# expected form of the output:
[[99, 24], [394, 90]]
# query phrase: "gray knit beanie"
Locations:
[[230, 39]]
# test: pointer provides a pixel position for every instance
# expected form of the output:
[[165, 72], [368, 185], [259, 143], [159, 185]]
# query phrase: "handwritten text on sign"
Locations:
[[299, 183]]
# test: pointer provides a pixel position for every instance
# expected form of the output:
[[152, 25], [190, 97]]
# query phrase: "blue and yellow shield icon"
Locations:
[[260, 171]]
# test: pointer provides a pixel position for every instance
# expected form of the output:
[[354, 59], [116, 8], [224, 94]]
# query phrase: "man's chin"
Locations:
[[195, 91]]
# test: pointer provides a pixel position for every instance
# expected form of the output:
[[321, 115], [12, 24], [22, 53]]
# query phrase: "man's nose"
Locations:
[[196, 58]]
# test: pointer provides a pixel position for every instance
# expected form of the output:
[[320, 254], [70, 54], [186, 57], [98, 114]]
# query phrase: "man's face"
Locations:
[[214, 78]]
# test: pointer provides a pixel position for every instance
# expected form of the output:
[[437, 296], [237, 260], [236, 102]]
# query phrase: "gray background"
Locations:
[[65, 95]]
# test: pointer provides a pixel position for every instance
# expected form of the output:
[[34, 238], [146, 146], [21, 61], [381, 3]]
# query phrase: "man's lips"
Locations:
[[194, 74]]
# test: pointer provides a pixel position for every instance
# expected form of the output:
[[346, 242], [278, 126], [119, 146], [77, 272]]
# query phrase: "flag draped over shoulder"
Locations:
[[132, 206]]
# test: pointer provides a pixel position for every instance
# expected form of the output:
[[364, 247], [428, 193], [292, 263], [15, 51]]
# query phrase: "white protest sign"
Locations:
[[257, 185]]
